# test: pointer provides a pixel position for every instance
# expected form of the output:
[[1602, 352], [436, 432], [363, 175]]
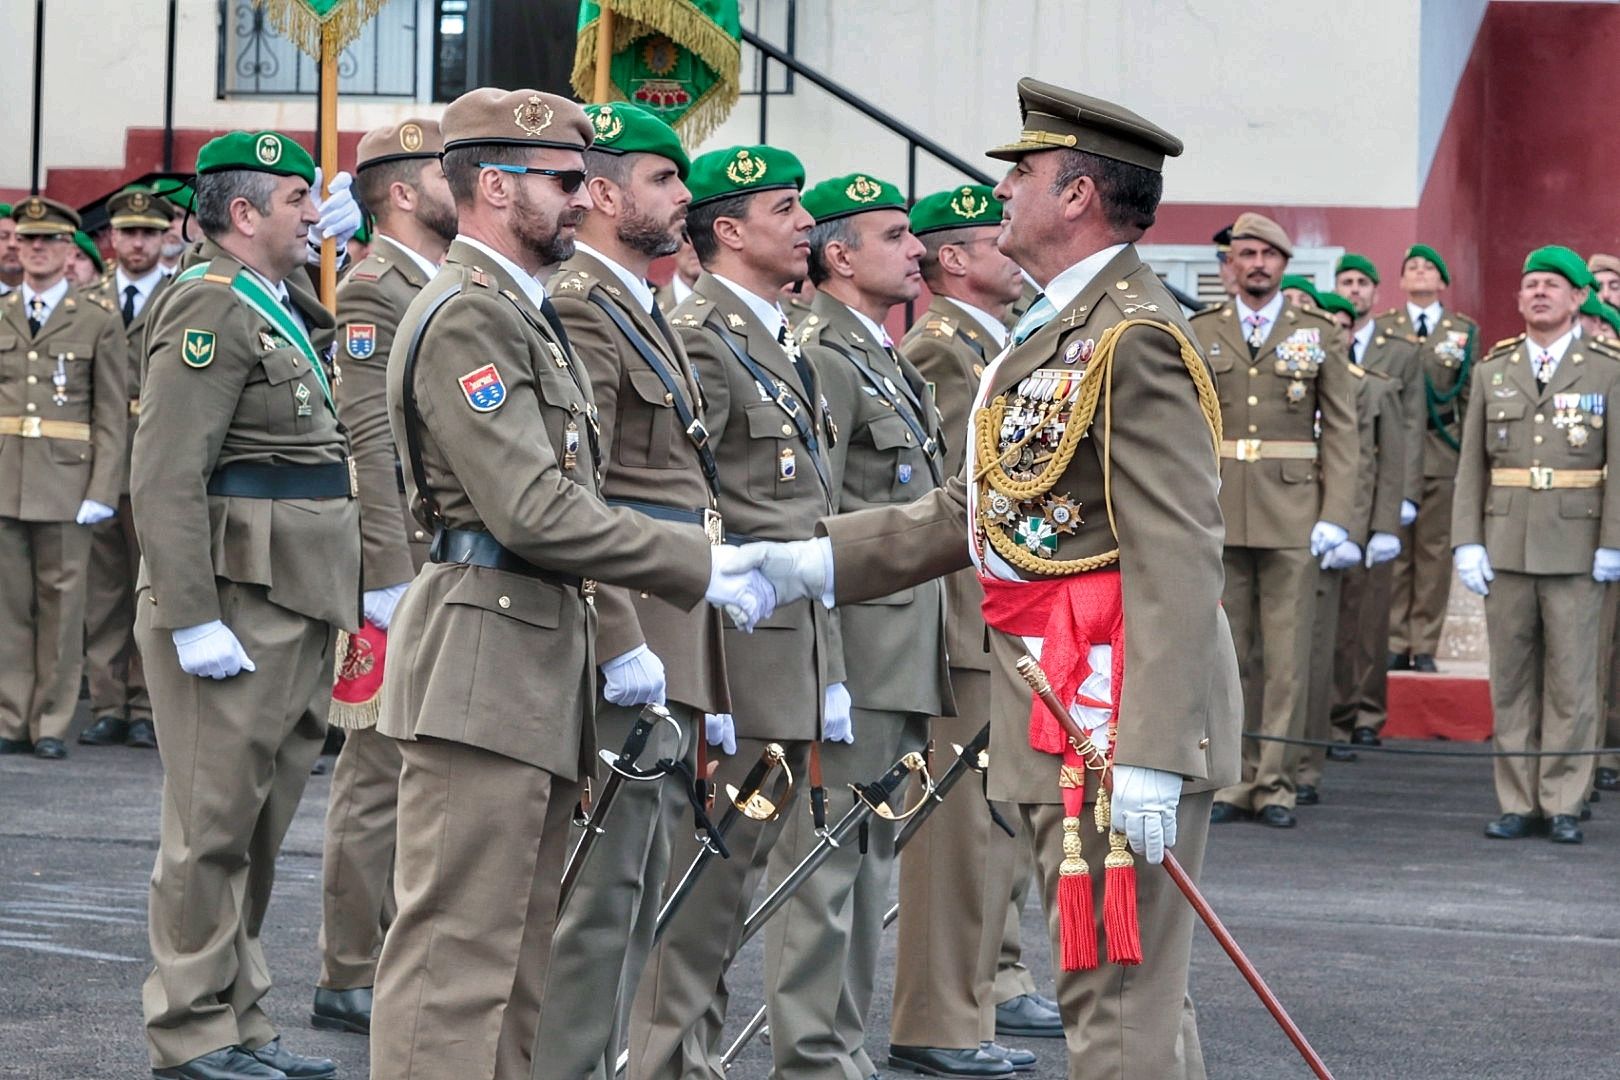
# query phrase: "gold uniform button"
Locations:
[[669, 399], [32, 379], [30, 406], [505, 601], [420, 535], [1538, 440], [1253, 428], [787, 429], [1203, 744], [1539, 418], [1253, 400], [1254, 373], [33, 355]]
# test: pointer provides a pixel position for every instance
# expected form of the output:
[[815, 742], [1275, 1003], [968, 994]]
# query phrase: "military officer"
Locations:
[[1448, 344], [1287, 495], [118, 699], [1605, 271], [250, 545], [1380, 480], [657, 462], [492, 413], [85, 265], [1537, 526], [402, 185], [62, 422], [769, 428], [945, 992], [11, 267], [687, 269], [1084, 185], [1361, 680]]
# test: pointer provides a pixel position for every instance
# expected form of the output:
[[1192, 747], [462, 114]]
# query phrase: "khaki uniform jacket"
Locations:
[[1273, 503], [1180, 704], [493, 658], [894, 645], [1381, 476], [1512, 423], [1397, 357], [242, 406], [951, 351], [134, 352], [646, 456], [1440, 358], [370, 303], [770, 489], [46, 478]]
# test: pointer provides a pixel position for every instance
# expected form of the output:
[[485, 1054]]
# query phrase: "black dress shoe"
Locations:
[[141, 734], [16, 746], [1424, 662], [1399, 661], [1223, 812], [1024, 1017], [231, 1063], [1020, 1060], [1365, 736], [1278, 817], [1607, 780], [50, 749], [294, 1066], [1511, 827], [1586, 811], [342, 1010], [931, 1061], [1340, 752], [1564, 829], [109, 730], [1306, 795]]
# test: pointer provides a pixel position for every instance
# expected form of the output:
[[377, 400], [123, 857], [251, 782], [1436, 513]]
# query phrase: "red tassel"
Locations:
[[1119, 903], [1077, 918]]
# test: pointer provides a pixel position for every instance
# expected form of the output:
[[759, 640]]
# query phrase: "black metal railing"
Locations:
[[257, 61]]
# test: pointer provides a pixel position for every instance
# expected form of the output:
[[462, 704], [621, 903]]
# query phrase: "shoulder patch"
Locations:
[[360, 340], [483, 388], [197, 348]]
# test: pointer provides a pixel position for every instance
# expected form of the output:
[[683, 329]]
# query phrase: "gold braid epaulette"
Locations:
[[1096, 384]]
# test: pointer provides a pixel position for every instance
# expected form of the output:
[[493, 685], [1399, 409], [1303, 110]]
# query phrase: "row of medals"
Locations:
[[1578, 415], [1041, 404]]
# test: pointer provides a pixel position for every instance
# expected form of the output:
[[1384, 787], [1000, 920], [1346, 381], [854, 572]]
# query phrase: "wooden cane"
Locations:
[[1031, 670]]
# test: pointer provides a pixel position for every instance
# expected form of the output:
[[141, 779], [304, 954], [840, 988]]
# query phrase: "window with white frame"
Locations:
[[1192, 267]]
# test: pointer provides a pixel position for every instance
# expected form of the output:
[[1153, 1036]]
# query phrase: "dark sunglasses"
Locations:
[[567, 179]]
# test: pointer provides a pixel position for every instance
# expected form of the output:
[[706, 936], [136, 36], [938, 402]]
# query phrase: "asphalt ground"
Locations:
[[1404, 943]]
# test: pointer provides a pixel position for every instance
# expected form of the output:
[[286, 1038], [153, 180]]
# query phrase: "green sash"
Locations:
[[252, 292]]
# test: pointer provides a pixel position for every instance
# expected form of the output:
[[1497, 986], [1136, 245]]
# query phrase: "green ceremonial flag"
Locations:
[[303, 22], [679, 59]]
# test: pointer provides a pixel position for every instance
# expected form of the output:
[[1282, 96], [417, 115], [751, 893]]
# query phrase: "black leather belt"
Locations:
[[707, 520], [474, 548], [254, 480]]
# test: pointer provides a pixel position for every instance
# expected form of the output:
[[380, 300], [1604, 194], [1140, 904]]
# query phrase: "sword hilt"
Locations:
[[876, 795]]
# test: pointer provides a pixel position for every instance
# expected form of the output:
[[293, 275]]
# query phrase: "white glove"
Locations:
[[1408, 512], [738, 587], [378, 604], [721, 731], [1343, 556], [340, 214], [1145, 809], [1382, 548], [1474, 567], [1325, 536], [634, 678], [837, 727], [93, 513], [210, 651], [801, 570], [1606, 564]]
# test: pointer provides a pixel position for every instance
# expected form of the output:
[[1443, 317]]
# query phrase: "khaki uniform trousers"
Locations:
[[1361, 662], [605, 933], [1307, 767], [1270, 598], [42, 595], [679, 1010], [236, 754], [112, 662], [952, 937], [1422, 583], [1543, 634], [357, 861], [1609, 676], [477, 872], [821, 948], [1128, 1023]]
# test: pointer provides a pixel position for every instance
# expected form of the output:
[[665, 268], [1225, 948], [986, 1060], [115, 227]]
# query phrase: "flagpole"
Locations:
[[604, 50], [329, 157]]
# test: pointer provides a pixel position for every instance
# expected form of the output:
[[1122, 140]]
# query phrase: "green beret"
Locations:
[[958, 208], [743, 170], [629, 129], [5, 209], [1560, 260], [363, 233], [1426, 252], [88, 246], [259, 151], [1351, 261], [1592, 305], [1303, 284], [1332, 301], [853, 194], [1610, 314], [177, 193]]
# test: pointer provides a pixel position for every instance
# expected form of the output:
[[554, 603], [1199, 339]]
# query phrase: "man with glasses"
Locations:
[[63, 412]]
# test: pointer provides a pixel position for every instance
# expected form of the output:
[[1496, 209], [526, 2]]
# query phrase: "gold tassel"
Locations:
[[296, 21]]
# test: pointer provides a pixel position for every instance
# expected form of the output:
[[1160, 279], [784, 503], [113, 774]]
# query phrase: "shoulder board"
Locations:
[[1357, 370], [1219, 308], [806, 334], [573, 280], [690, 319], [360, 273], [477, 277], [1604, 346], [1507, 343], [940, 326]]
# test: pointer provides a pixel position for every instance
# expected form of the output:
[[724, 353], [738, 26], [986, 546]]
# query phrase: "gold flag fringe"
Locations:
[[302, 25], [351, 715]]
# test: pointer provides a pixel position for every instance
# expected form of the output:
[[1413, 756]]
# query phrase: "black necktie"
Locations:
[[130, 292], [36, 314], [1423, 324], [555, 321], [663, 325], [1355, 350]]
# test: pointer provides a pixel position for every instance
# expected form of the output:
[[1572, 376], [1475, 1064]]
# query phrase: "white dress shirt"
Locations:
[[766, 311], [531, 286], [1268, 316], [988, 322], [638, 288], [52, 296], [426, 265], [143, 287]]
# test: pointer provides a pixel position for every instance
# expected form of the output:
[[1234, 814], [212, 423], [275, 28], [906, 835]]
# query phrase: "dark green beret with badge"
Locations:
[[958, 208], [1303, 284], [1351, 261], [629, 129], [1331, 302], [39, 216], [93, 253], [853, 194], [1424, 251], [1055, 118], [256, 151], [743, 170], [1560, 260]]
